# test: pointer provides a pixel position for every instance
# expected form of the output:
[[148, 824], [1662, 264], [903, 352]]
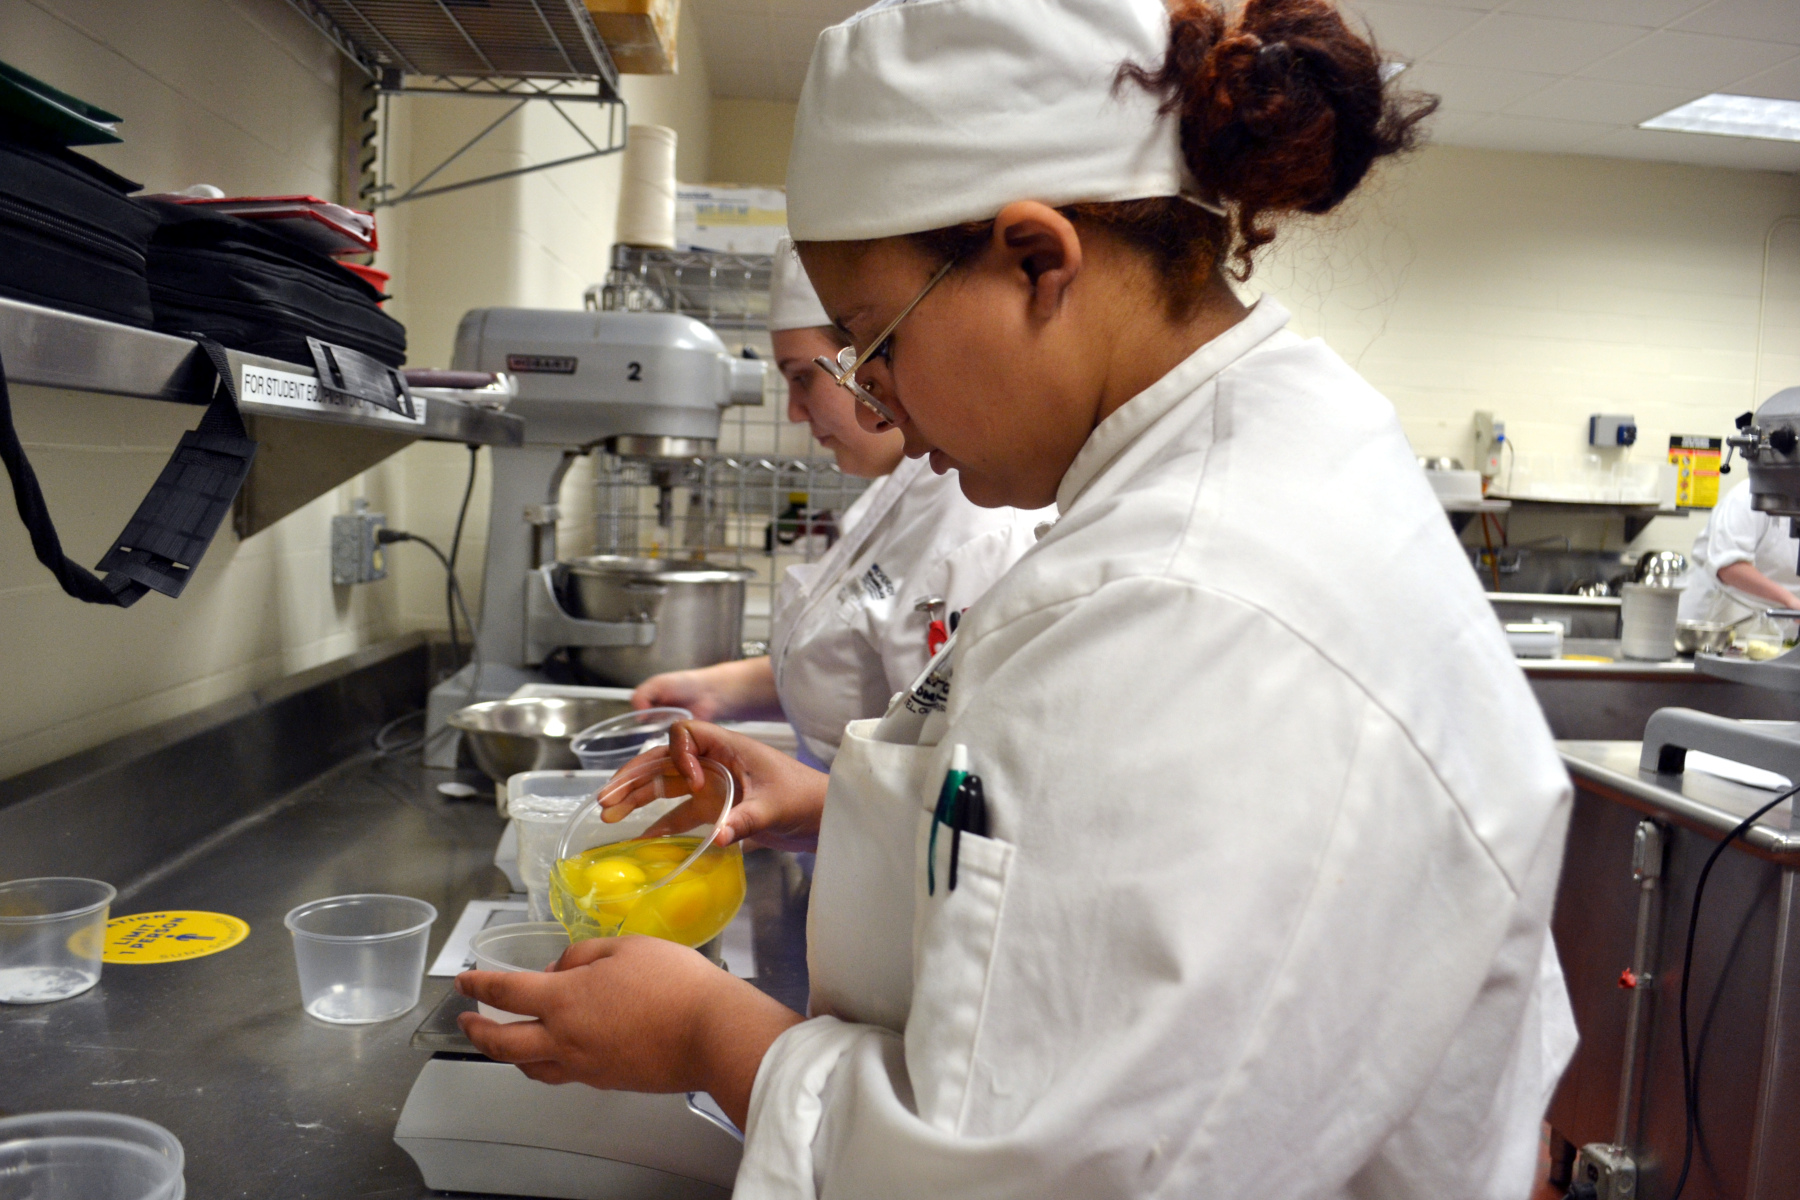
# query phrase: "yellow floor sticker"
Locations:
[[171, 936]]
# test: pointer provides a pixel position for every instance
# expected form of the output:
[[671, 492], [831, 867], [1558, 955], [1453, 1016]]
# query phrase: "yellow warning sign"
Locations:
[[1696, 462], [157, 937]]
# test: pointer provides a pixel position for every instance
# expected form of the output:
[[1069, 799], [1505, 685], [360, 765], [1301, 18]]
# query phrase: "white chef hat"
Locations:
[[922, 114], [792, 302]]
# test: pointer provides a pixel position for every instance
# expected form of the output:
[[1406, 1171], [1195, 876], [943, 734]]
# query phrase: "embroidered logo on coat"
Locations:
[[876, 583]]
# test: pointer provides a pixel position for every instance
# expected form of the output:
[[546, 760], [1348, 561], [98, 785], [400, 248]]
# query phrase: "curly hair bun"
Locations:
[[1282, 108]]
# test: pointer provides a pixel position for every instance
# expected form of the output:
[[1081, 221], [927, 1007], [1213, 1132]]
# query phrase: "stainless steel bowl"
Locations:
[[530, 734], [1662, 568], [697, 606], [1703, 637]]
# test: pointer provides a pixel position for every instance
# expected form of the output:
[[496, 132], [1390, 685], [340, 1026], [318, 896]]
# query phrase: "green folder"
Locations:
[[57, 116]]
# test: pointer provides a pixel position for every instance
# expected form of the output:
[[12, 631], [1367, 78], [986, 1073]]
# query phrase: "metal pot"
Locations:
[[697, 607]]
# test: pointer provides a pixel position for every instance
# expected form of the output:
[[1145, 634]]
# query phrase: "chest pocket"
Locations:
[[955, 934]]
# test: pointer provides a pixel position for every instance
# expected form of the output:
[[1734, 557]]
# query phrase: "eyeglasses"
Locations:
[[843, 367]]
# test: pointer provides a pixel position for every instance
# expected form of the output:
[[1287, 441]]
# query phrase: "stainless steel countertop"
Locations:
[[269, 1103], [1704, 803], [1620, 668]]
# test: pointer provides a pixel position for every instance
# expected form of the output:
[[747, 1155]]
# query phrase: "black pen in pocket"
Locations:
[[967, 812]]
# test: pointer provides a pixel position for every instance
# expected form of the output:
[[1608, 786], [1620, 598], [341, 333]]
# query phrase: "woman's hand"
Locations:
[[633, 1014], [779, 799], [745, 688]]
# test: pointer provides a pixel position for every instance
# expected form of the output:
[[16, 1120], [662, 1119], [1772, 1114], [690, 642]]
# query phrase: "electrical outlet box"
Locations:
[[1490, 435], [356, 557], [1604, 1172], [1612, 430]]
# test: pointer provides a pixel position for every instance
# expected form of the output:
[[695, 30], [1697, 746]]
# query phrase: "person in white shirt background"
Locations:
[[1258, 900], [847, 630], [1744, 561]]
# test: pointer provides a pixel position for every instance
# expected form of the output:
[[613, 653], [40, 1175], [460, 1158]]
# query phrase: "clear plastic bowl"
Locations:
[[616, 741], [52, 934], [361, 959], [521, 946], [657, 871], [88, 1156]]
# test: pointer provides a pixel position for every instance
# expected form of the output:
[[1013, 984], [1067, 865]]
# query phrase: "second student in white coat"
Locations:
[[847, 630]]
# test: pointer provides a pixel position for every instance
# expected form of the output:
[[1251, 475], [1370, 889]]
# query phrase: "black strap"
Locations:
[[167, 536]]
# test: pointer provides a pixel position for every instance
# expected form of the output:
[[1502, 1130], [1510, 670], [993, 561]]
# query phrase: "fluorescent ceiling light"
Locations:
[[1734, 116]]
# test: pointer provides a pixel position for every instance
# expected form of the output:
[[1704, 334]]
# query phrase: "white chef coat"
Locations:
[[1737, 533], [846, 637], [1276, 830]]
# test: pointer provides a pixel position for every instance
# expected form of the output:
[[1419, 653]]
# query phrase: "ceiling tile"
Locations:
[[1645, 14], [1502, 132], [732, 79], [792, 38], [707, 8], [1758, 20], [1510, 42], [1783, 83], [1699, 149], [1473, 89], [1470, 5], [736, 36], [1447, 127], [1411, 31], [1698, 62], [1579, 99]]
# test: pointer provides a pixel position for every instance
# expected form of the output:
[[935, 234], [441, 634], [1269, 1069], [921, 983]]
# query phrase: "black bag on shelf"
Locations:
[[70, 236], [255, 291]]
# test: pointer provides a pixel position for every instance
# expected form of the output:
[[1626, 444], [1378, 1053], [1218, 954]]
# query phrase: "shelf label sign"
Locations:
[[1696, 462], [157, 937], [285, 389]]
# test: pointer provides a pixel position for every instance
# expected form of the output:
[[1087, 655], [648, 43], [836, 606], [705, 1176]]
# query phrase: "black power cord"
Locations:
[[1690, 1086], [389, 536], [462, 513]]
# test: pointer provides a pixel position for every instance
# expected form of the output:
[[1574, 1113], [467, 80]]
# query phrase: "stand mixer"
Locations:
[[1768, 441], [641, 385], [644, 385]]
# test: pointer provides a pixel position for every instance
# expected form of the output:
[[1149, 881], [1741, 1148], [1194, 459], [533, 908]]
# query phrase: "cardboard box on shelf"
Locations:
[[738, 220]]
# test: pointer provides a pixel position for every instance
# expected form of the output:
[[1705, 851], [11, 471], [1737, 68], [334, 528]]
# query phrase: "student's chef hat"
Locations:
[[925, 113], [792, 302]]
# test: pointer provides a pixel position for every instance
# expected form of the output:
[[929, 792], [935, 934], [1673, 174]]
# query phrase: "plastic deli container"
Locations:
[[88, 1156], [541, 803], [613, 743], [52, 933], [521, 946], [361, 959]]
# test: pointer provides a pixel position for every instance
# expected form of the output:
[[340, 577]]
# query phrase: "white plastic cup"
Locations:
[[521, 946], [52, 934], [88, 1156], [361, 959]]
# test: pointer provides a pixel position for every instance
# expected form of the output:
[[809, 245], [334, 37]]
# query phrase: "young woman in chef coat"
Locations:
[[848, 632], [1744, 561], [1261, 904]]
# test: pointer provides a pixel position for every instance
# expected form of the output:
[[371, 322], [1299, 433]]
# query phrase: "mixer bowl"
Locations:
[[531, 733], [697, 606]]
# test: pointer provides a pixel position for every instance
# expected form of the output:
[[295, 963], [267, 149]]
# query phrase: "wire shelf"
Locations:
[[519, 39]]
